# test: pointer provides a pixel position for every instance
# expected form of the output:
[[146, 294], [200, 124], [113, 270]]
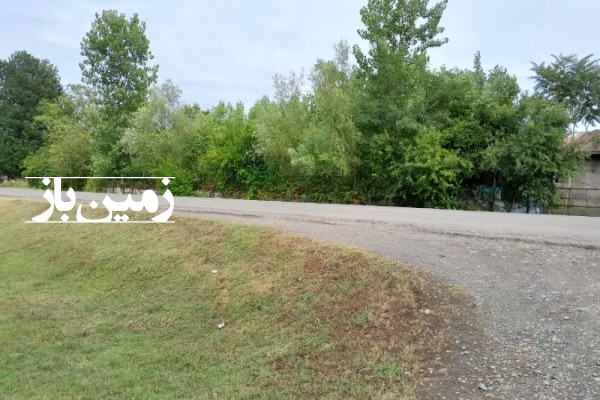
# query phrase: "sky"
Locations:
[[230, 49]]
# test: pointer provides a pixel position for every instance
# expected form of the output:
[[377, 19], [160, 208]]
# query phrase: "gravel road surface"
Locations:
[[535, 280]]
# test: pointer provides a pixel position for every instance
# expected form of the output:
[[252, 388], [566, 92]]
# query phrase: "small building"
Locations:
[[582, 194], [590, 176]]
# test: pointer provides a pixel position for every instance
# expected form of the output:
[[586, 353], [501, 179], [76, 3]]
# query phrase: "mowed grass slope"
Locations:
[[132, 311]]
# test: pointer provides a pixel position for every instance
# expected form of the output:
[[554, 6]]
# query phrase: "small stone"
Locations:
[[566, 318], [221, 325], [482, 387]]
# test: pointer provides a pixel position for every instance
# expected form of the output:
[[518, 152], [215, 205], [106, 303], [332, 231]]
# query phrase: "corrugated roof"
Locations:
[[590, 141]]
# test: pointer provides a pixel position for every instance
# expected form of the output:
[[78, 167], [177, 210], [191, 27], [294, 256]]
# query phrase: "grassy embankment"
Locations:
[[132, 311], [19, 184]]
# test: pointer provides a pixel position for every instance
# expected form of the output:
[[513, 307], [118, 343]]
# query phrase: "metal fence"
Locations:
[[578, 201]]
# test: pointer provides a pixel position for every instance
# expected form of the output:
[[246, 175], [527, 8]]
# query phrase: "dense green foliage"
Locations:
[[66, 131], [25, 81], [573, 83], [381, 129]]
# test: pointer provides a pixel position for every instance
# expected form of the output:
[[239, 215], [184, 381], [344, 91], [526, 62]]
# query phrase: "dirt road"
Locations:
[[535, 280]]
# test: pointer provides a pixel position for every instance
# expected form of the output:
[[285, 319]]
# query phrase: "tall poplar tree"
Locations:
[[116, 54]]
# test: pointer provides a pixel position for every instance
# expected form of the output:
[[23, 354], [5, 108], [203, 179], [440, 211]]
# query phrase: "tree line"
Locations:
[[380, 127]]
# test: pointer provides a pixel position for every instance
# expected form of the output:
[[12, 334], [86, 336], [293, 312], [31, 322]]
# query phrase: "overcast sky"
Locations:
[[230, 49]]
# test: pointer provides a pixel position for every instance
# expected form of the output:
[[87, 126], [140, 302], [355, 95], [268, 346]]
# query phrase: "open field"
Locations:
[[133, 311]]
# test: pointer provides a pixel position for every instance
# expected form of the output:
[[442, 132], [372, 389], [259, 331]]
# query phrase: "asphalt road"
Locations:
[[535, 281], [559, 229]]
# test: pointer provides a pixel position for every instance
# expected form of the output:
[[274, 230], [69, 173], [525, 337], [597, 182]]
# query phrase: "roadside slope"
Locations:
[[106, 311]]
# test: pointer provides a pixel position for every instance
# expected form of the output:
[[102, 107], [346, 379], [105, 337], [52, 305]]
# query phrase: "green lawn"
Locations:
[[132, 311]]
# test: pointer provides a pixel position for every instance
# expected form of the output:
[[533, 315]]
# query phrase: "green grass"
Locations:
[[132, 311], [20, 184], [362, 318]]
